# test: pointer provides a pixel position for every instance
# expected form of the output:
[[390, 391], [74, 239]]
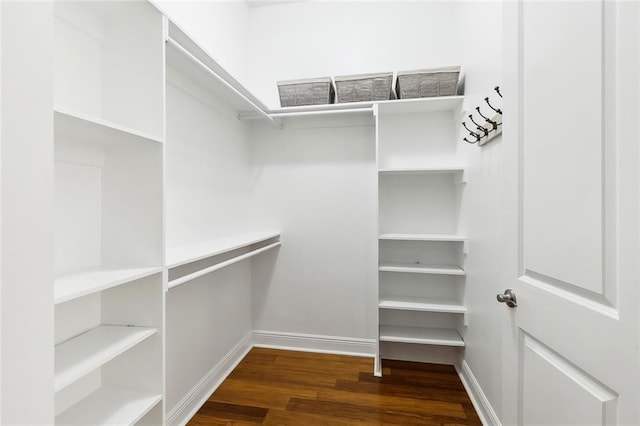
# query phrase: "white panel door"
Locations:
[[571, 140]]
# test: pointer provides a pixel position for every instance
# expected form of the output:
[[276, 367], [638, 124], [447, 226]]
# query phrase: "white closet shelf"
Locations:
[[413, 304], [420, 335], [188, 57], [436, 169], [393, 106], [197, 274], [193, 252], [422, 237], [109, 406], [73, 286], [96, 130], [419, 268], [83, 354]]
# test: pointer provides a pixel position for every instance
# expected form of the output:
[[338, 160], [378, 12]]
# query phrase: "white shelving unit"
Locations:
[[421, 249], [108, 254]]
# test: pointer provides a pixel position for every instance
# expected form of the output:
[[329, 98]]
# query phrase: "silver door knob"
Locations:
[[508, 297]]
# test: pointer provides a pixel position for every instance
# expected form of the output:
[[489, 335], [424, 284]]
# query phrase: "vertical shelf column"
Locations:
[[421, 251], [108, 143]]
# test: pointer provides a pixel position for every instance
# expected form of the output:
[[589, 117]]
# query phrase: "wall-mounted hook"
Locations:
[[497, 89], [481, 128], [499, 111], [474, 134], [493, 123], [472, 142]]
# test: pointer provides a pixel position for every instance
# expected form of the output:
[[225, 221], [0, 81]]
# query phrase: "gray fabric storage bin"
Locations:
[[312, 91], [364, 87], [428, 83]]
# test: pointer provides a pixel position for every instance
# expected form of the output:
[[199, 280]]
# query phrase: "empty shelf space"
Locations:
[[420, 335], [109, 406], [419, 268], [422, 237], [72, 286], [96, 130], [81, 355], [413, 304]]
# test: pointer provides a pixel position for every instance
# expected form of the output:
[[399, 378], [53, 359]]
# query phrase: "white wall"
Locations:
[[220, 27], [27, 213], [482, 202], [315, 180], [207, 196]]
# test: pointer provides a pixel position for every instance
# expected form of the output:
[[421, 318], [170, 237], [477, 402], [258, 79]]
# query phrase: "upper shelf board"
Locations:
[[394, 106], [193, 252], [73, 286], [188, 57], [96, 130]]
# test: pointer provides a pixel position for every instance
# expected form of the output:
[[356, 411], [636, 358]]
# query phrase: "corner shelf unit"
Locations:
[[420, 247]]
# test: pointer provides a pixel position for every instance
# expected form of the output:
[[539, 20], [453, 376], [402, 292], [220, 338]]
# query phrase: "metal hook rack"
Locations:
[[490, 128]]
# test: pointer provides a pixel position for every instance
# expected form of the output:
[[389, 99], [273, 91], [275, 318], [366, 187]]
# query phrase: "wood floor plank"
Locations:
[[221, 410], [415, 392], [259, 394], [418, 407], [277, 387], [372, 415], [292, 418]]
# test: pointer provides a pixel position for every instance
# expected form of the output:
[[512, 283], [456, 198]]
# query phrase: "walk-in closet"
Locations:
[[193, 190]]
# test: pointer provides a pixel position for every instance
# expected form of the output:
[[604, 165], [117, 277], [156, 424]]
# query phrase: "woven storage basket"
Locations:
[[313, 91], [364, 87], [428, 83]]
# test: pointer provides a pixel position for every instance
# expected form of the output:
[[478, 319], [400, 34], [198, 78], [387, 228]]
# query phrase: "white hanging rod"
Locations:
[[204, 66], [210, 269]]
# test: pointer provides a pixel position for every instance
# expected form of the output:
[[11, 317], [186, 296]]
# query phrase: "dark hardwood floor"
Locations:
[[298, 388]]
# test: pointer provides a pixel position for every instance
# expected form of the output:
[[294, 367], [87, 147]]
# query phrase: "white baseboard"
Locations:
[[314, 343], [191, 403], [485, 411]]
